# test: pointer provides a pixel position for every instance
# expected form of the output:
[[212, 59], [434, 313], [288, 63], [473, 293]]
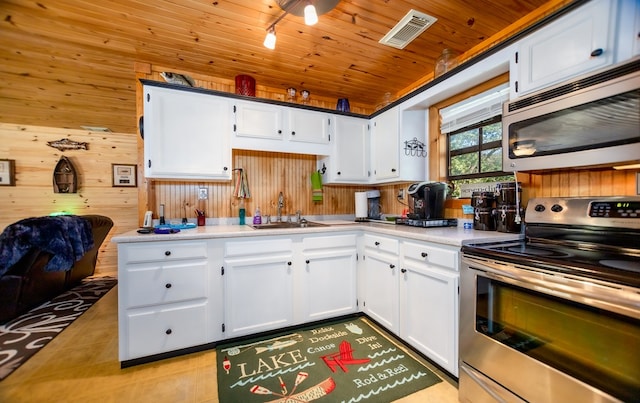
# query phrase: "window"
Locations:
[[476, 151], [473, 131]]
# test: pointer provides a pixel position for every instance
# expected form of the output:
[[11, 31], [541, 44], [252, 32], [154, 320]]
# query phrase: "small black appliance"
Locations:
[[427, 200]]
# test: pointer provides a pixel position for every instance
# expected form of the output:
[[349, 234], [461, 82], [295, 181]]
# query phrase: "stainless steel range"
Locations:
[[555, 317]]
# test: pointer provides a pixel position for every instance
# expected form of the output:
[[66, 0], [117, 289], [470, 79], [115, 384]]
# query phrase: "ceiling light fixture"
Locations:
[[310, 15], [310, 9], [270, 39]]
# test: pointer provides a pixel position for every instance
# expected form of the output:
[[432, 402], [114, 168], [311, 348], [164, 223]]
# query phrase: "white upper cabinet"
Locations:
[[628, 30], [398, 146], [186, 135], [349, 158], [308, 126], [258, 120], [269, 127], [385, 147], [582, 41]]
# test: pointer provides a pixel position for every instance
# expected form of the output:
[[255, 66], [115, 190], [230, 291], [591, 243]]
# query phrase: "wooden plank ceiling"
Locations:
[[67, 63]]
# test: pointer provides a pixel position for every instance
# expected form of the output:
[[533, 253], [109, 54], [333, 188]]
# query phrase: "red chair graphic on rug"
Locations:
[[343, 358]]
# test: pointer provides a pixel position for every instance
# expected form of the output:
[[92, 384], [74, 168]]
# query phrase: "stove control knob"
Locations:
[[556, 208], [540, 208]]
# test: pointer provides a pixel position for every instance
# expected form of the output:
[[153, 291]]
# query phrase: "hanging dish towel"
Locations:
[[241, 189], [316, 186]]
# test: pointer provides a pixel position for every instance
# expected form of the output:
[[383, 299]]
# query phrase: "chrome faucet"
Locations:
[[280, 206]]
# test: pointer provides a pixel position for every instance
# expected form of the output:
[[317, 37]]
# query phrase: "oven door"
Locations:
[[546, 337]]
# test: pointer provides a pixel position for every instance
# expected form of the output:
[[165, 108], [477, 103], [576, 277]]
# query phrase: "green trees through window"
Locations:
[[475, 154]]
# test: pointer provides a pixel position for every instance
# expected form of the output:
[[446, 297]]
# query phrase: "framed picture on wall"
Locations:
[[124, 175], [7, 173]]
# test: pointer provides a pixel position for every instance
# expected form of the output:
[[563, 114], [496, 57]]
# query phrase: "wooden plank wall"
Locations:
[[34, 162], [268, 175], [565, 183]]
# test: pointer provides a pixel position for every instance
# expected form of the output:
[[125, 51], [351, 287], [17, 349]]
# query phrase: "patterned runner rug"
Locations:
[[345, 361], [25, 335]]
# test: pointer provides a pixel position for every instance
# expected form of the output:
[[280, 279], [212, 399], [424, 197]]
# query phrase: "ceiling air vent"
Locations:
[[409, 27]]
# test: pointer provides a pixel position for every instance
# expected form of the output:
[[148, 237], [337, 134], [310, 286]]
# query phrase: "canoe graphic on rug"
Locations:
[[308, 395]]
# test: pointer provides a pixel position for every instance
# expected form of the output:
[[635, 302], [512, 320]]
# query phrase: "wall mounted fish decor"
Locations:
[[175, 78], [66, 144]]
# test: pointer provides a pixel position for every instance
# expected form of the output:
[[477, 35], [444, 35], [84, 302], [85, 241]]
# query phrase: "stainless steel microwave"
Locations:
[[591, 120]]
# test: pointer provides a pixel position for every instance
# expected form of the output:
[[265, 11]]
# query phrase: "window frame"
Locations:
[[477, 149]]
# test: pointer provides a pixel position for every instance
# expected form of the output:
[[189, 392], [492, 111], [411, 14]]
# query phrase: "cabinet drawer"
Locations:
[[167, 283], [162, 330], [161, 251], [381, 243], [326, 242], [425, 253], [261, 247]]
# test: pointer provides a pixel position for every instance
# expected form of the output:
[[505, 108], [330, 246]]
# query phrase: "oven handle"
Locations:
[[597, 295]]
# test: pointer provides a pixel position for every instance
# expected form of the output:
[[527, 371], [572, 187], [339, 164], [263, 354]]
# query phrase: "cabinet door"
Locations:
[[186, 135], [381, 289], [350, 162], [384, 141], [328, 278], [258, 120], [258, 294], [308, 126], [429, 307], [577, 43]]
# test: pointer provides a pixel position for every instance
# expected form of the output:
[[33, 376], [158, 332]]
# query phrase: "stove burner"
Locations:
[[622, 264], [533, 251]]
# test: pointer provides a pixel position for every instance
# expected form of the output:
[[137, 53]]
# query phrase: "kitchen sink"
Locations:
[[279, 225]]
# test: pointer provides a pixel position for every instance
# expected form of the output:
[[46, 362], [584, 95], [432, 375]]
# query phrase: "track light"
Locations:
[[270, 39], [310, 15], [298, 8]]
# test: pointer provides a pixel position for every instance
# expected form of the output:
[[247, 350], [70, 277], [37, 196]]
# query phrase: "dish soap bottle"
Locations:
[[257, 218], [243, 212]]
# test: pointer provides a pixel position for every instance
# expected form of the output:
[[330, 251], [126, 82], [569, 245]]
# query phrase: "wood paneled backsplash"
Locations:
[[33, 195], [565, 183], [268, 174]]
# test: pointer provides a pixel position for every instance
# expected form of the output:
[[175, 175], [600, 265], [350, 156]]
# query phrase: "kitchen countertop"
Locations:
[[455, 236]]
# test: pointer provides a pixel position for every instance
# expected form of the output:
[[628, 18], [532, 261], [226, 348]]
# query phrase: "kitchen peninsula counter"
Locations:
[[455, 236]]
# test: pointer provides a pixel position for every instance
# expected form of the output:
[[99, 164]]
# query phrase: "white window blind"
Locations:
[[474, 109]]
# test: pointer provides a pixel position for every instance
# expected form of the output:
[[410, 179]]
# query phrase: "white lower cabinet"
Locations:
[[276, 282], [166, 328], [328, 278], [174, 295], [429, 302], [258, 284], [411, 288], [167, 297], [381, 262]]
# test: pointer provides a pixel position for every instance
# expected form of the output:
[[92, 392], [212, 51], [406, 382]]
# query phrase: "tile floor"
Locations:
[[81, 365]]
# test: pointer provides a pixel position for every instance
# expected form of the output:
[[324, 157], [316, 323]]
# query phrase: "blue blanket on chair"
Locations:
[[67, 238]]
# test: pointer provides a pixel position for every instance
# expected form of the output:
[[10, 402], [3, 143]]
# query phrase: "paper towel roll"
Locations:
[[361, 205]]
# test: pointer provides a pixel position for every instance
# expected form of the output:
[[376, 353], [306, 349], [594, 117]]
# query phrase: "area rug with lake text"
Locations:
[[342, 361], [22, 337]]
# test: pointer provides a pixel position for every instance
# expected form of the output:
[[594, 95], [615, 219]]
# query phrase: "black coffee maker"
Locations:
[[427, 200]]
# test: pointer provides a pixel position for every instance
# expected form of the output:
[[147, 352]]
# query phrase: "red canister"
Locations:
[[245, 85]]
